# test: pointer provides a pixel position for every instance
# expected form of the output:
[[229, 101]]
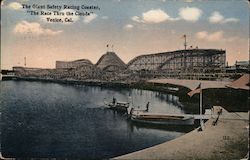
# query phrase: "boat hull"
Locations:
[[163, 120], [119, 106]]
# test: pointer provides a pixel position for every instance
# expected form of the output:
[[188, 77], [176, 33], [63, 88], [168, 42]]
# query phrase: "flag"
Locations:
[[196, 90]]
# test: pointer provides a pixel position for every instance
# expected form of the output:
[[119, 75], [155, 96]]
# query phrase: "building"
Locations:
[[242, 65], [239, 67], [190, 60], [72, 64], [32, 72]]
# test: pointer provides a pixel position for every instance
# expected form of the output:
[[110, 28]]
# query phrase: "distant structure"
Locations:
[[72, 64], [183, 64], [110, 62], [110, 48], [239, 67], [188, 60], [185, 41], [242, 64]]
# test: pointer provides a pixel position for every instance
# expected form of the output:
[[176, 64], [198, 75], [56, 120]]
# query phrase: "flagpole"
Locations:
[[191, 93], [201, 121], [201, 102], [185, 41]]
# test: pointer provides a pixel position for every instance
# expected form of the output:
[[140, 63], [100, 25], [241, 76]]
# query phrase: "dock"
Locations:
[[227, 139], [207, 115]]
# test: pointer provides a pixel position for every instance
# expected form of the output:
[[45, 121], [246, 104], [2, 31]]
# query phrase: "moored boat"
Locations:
[[160, 118], [118, 105]]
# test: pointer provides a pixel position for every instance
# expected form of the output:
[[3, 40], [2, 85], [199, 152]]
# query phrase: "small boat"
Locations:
[[118, 105], [159, 118]]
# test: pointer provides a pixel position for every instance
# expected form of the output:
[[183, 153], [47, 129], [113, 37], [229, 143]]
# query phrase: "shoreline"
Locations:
[[212, 96], [226, 140], [146, 85]]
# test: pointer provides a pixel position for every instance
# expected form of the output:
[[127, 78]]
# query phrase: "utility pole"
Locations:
[[185, 41]]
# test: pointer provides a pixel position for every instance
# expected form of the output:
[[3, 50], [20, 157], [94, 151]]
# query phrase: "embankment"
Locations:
[[226, 140]]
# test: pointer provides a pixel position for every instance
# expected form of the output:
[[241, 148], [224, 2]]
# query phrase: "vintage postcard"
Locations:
[[124, 79]]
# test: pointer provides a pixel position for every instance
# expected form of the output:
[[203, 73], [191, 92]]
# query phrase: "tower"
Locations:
[[185, 41]]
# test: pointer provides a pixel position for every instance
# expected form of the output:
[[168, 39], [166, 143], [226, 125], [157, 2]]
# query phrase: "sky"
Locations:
[[132, 27]]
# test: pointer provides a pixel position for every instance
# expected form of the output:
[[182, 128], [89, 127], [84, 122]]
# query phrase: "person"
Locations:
[[147, 107], [220, 112], [217, 119], [131, 111], [114, 100]]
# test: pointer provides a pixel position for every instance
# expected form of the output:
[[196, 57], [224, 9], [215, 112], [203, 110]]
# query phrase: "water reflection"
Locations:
[[182, 129], [170, 99]]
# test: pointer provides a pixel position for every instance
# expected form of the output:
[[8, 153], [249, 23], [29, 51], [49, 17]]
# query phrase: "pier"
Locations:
[[191, 84]]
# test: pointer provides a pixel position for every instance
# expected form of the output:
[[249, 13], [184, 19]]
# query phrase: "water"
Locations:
[[68, 121]]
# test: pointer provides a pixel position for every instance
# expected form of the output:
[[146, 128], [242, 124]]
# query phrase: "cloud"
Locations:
[[137, 19], [128, 26], [216, 17], [34, 28], [158, 16], [214, 37], [231, 20], [15, 6], [88, 19], [2, 2], [153, 16], [73, 17], [190, 13], [202, 35]]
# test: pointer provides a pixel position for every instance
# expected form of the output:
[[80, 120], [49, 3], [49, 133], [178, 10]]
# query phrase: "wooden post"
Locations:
[[201, 121]]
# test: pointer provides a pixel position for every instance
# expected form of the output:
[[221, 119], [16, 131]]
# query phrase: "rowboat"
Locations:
[[160, 118], [118, 105]]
